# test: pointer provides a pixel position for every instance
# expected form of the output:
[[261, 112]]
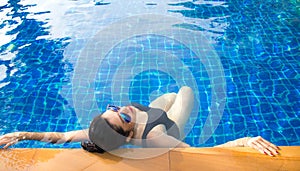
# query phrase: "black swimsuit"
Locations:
[[157, 117]]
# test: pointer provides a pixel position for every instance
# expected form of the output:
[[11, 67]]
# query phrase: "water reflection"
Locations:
[[258, 42], [33, 71]]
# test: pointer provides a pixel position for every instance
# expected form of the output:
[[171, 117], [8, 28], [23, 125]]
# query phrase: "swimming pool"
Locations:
[[256, 42]]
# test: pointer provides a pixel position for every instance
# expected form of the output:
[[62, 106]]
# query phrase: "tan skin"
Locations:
[[157, 137], [257, 143], [116, 119], [137, 126]]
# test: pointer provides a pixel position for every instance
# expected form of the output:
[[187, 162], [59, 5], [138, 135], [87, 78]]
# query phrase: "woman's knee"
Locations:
[[164, 102], [187, 91], [170, 97]]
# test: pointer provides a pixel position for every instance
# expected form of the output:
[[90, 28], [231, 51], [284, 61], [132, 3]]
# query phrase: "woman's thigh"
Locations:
[[182, 107], [164, 102]]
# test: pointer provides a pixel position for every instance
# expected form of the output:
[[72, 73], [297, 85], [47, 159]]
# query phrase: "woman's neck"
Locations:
[[140, 123]]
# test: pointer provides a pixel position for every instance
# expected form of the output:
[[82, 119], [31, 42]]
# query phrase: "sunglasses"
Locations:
[[124, 116]]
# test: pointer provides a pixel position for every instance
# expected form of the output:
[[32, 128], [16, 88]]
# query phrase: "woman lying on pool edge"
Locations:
[[159, 125]]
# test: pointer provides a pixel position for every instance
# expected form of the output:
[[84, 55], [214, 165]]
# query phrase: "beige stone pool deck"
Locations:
[[237, 158]]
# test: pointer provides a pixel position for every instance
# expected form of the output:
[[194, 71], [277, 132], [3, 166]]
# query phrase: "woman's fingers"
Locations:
[[8, 140], [256, 146], [10, 143], [3, 140], [270, 148], [263, 146]]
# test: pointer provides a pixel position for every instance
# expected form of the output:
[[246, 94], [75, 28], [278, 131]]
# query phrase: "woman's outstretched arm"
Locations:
[[52, 137], [258, 143]]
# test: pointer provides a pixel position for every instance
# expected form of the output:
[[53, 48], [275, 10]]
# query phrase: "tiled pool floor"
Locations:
[[176, 159]]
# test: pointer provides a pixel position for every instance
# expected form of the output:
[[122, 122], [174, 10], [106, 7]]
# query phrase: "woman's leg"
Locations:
[[164, 102], [178, 106], [182, 107]]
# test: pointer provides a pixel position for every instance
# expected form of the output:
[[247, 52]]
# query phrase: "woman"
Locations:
[[159, 125]]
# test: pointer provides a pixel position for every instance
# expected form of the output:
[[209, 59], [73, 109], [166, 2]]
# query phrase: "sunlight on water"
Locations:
[[257, 42]]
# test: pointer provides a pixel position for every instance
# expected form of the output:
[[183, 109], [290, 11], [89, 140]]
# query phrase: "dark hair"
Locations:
[[106, 136], [119, 129]]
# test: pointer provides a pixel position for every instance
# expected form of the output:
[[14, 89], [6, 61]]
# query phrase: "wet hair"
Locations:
[[106, 136]]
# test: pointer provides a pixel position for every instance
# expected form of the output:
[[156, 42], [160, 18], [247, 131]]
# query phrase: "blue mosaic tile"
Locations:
[[257, 42]]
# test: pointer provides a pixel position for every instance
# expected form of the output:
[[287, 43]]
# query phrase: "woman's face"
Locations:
[[115, 117]]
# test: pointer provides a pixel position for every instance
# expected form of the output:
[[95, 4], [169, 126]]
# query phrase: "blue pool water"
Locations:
[[255, 44]]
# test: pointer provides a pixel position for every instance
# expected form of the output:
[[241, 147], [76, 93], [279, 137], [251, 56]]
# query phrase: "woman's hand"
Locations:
[[263, 146], [9, 139]]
